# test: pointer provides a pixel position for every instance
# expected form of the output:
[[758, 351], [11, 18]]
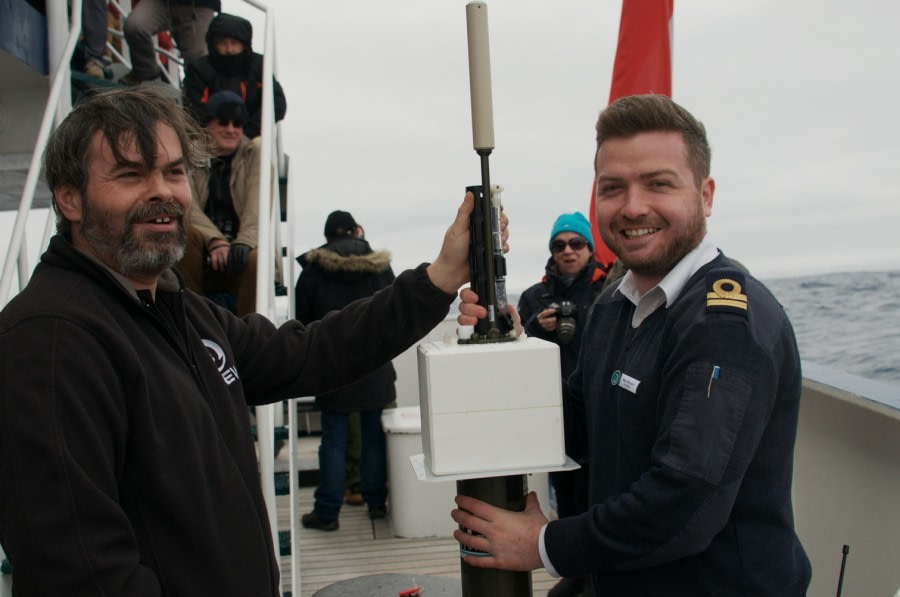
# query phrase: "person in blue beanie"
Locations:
[[556, 309]]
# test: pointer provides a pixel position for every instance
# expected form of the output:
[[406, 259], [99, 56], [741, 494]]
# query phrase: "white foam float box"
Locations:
[[490, 407]]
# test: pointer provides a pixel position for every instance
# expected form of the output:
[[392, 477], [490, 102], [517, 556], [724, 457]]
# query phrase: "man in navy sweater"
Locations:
[[689, 384]]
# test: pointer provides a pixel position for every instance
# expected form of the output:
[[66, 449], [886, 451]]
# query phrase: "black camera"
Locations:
[[565, 320]]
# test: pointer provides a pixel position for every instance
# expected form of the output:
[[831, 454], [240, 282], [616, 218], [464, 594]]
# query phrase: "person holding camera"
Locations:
[[555, 309]]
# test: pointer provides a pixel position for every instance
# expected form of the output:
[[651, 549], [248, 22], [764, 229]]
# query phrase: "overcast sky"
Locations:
[[800, 100]]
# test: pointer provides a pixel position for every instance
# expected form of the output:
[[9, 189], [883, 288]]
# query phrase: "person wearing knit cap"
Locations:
[[572, 222], [339, 224], [230, 65], [188, 21], [220, 252], [335, 274], [572, 279]]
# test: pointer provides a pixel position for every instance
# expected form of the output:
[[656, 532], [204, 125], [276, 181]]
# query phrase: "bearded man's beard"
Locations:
[[132, 255]]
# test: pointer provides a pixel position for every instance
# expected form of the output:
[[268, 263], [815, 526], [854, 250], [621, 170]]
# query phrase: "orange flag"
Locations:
[[643, 65]]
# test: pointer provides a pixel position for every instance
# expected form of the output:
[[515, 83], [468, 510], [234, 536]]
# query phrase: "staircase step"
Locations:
[[13, 172], [284, 543]]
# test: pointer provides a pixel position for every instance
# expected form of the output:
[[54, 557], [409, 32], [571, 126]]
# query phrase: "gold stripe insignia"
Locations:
[[726, 293]]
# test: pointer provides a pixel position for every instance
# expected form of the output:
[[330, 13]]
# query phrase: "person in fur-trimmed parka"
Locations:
[[334, 275]]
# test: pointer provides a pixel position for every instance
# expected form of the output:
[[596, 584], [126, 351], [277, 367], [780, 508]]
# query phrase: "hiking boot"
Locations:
[[353, 497], [377, 513], [312, 521], [94, 68]]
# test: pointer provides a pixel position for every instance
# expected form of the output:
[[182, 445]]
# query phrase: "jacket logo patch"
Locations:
[[229, 373], [725, 294]]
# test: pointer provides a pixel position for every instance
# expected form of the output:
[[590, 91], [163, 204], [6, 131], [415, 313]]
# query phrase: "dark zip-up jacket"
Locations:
[[127, 465]]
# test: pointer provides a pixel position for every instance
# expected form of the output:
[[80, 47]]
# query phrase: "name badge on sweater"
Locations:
[[625, 381]]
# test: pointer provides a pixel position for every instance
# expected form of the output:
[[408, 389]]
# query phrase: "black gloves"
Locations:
[[238, 256]]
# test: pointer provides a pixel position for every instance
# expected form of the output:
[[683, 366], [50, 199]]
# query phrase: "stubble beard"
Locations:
[[134, 256]]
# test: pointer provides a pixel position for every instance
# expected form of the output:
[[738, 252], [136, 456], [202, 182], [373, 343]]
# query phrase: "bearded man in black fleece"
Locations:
[[127, 465]]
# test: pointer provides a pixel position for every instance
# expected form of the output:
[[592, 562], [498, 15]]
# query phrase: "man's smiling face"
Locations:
[[650, 211], [132, 215]]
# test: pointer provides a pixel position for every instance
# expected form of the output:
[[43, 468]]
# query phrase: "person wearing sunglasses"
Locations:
[[556, 309], [220, 253]]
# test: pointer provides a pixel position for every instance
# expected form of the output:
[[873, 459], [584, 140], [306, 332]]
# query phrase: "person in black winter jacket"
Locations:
[[334, 275], [231, 65]]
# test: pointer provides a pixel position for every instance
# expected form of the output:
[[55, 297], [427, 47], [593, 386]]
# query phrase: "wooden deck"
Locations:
[[363, 547]]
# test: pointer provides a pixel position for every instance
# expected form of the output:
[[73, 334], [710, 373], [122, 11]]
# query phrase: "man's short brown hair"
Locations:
[[635, 114]]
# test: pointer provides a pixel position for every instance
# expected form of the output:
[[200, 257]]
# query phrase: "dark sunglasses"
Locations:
[[577, 243], [238, 124]]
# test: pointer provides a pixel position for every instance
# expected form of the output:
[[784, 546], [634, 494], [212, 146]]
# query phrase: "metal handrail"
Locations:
[[271, 162], [16, 252]]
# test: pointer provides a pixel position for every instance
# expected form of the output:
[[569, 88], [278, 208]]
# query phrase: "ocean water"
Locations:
[[847, 321]]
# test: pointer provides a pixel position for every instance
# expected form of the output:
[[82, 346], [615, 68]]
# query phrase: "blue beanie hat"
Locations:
[[573, 222]]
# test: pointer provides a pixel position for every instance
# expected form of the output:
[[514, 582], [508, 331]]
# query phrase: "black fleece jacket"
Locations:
[[126, 461]]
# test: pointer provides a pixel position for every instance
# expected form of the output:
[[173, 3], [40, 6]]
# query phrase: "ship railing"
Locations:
[[59, 104]]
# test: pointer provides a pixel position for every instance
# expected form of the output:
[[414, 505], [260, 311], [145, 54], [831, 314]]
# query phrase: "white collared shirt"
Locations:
[[670, 287]]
